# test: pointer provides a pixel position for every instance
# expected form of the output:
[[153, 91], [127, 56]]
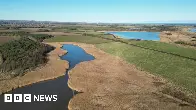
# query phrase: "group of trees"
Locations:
[[23, 54]]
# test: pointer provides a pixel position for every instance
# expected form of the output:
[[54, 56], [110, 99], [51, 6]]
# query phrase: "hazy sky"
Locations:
[[99, 10]]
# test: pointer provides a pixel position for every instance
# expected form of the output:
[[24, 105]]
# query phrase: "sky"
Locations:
[[107, 11]]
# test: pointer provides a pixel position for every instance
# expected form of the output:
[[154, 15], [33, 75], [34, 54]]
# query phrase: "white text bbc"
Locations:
[[28, 98]]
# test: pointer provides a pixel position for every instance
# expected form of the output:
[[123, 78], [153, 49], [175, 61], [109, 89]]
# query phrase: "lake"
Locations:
[[193, 30], [138, 35]]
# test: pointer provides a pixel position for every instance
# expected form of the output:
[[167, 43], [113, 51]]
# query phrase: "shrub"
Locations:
[[169, 34], [43, 30], [180, 42]]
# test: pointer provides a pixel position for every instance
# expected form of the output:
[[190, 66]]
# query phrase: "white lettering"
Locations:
[[27, 97], [48, 97], [41, 98], [17, 97], [55, 98], [36, 98], [7, 97]]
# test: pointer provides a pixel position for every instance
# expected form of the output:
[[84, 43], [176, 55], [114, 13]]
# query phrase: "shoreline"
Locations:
[[121, 31], [54, 68]]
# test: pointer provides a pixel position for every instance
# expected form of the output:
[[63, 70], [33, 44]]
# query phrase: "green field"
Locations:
[[78, 38], [165, 47], [179, 70]]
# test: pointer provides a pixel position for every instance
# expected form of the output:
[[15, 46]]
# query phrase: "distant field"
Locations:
[[78, 38], [55, 33], [179, 70], [31, 29], [10, 30]]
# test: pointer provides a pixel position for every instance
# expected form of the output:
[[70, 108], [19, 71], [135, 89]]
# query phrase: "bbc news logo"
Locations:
[[29, 98]]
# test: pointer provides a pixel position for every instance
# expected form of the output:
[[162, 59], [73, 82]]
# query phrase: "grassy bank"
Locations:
[[178, 70]]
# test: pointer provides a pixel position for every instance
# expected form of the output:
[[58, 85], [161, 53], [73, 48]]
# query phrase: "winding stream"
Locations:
[[57, 86]]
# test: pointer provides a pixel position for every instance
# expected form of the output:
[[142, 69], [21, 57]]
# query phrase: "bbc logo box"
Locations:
[[17, 97], [28, 97]]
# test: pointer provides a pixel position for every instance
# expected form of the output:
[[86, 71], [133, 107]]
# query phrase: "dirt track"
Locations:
[[110, 83]]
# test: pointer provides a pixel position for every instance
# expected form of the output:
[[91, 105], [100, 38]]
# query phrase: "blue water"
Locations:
[[57, 86], [193, 30], [75, 55], [138, 35]]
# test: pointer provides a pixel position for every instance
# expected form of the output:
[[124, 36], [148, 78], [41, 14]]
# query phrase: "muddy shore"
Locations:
[[54, 68]]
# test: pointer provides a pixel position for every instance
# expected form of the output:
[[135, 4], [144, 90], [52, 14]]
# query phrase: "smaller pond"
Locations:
[[138, 35], [57, 86], [193, 30]]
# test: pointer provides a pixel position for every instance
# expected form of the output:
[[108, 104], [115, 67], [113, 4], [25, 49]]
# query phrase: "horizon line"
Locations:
[[142, 22]]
